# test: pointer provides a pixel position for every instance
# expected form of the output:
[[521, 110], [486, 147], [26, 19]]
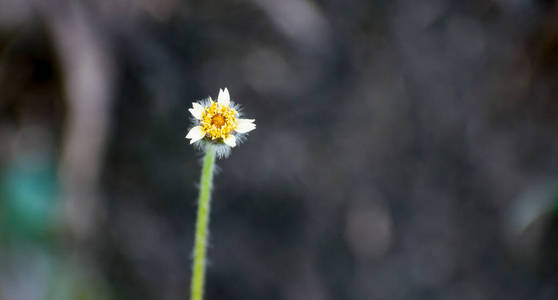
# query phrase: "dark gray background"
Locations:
[[397, 145]]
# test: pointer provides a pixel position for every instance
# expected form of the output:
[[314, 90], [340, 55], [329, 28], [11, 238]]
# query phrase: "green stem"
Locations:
[[200, 245]]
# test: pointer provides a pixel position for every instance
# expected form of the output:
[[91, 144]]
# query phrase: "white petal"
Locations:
[[230, 140], [196, 110], [195, 134], [245, 125], [224, 97]]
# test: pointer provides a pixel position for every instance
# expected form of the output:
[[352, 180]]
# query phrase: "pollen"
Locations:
[[218, 121]]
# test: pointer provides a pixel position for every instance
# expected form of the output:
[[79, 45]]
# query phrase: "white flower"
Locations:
[[218, 123]]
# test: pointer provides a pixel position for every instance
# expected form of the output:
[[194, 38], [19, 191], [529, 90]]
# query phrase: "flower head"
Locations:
[[218, 124]]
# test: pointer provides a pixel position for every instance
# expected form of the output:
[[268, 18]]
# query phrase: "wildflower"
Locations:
[[218, 124]]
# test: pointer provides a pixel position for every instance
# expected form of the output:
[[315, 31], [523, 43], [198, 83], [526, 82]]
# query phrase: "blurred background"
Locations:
[[404, 149]]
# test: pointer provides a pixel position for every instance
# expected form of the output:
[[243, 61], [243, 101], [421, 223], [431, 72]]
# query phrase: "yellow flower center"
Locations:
[[218, 121]]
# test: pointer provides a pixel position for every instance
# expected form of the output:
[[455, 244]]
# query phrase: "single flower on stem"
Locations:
[[218, 128]]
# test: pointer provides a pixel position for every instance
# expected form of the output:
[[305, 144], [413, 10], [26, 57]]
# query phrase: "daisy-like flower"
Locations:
[[218, 124]]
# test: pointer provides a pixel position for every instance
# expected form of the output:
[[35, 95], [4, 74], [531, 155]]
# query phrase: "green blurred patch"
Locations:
[[28, 199], [71, 281]]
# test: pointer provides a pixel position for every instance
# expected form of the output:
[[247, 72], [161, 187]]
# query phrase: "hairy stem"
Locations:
[[200, 244]]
